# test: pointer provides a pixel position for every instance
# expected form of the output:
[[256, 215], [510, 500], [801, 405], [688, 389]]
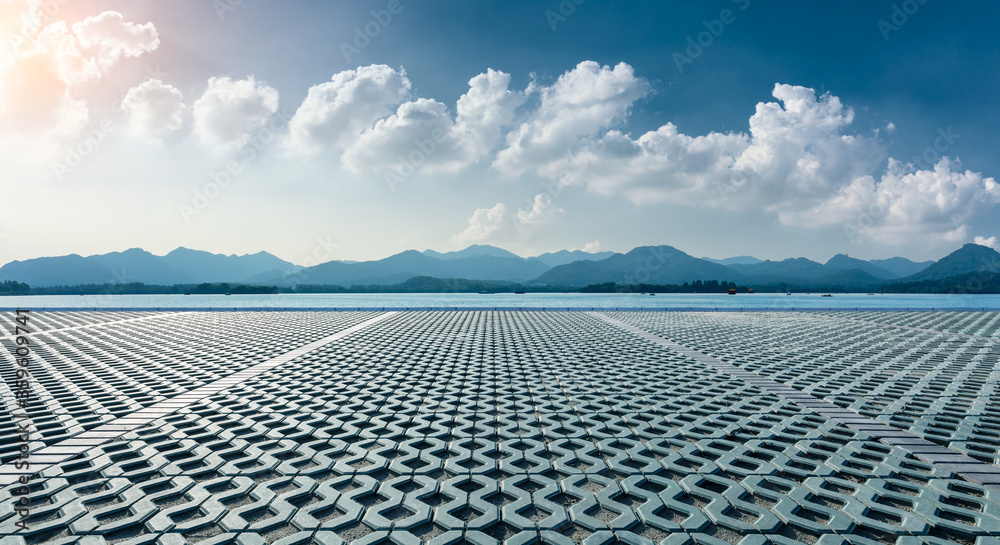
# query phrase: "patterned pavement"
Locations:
[[494, 426]]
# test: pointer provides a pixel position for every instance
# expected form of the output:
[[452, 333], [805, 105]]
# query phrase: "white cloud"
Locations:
[[485, 110], [113, 37], [594, 247], [60, 45], [990, 242], [420, 135], [799, 161], [42, 65], [796, 152], [542, 211], [154, 107], [933, 204], [333, 114], [483, 223], [577, 106], [230, 110]]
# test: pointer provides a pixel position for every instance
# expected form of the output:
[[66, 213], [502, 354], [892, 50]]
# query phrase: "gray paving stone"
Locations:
[[490, 427]]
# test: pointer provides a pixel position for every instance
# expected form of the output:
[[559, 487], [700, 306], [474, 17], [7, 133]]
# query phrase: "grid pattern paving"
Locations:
[[979, 324], [941, 385], [82, 378], [488, 427]]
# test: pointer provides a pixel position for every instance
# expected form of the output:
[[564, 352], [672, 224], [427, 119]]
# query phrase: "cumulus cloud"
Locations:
[[229, 111], [577, 106], [336, 112], [483, 223], [485, 110], [542, 211], [799, 161], [43, 63], [420, 135], [113, 37], [934, 204], [154, 107], [594, 247], [990, 242], [796, 152]]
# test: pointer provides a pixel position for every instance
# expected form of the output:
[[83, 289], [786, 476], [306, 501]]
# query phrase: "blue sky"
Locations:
[[791, 130]]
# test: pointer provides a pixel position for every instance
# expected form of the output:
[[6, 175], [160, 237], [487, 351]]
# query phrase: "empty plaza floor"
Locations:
[[446, 427]]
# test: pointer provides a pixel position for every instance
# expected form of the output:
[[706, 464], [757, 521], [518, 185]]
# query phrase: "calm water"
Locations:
[[505, 300]]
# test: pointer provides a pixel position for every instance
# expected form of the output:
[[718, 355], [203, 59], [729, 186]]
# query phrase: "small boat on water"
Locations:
[[826, 295], [652, 294], [732, 291]]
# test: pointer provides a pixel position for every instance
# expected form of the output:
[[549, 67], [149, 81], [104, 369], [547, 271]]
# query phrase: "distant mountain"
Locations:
[[970, 258], [476, 250], [964, 284], [411, 263], [646, 264], [738, 260], [182, 266], [901, 266], [842, 262], [562, 257], [208, 267], [802, 272], [798, 268], [653, 265], [845, 280]]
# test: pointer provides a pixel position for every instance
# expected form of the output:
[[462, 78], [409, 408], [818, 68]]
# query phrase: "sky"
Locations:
[[321, 130]]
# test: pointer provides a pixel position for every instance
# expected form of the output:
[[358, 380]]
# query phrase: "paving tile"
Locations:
[[516, 427]]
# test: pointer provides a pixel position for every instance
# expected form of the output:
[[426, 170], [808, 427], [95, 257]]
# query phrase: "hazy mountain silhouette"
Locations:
[[967, 259], [562, 269], [646, 264], [738, 260], [181, 266], [411, 263], [900, 266], [562, 257]]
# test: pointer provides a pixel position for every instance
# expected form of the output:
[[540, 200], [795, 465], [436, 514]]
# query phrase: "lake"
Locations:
[[345, 301]]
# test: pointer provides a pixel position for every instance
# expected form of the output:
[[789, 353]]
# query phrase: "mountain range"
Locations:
[[558, 270]]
